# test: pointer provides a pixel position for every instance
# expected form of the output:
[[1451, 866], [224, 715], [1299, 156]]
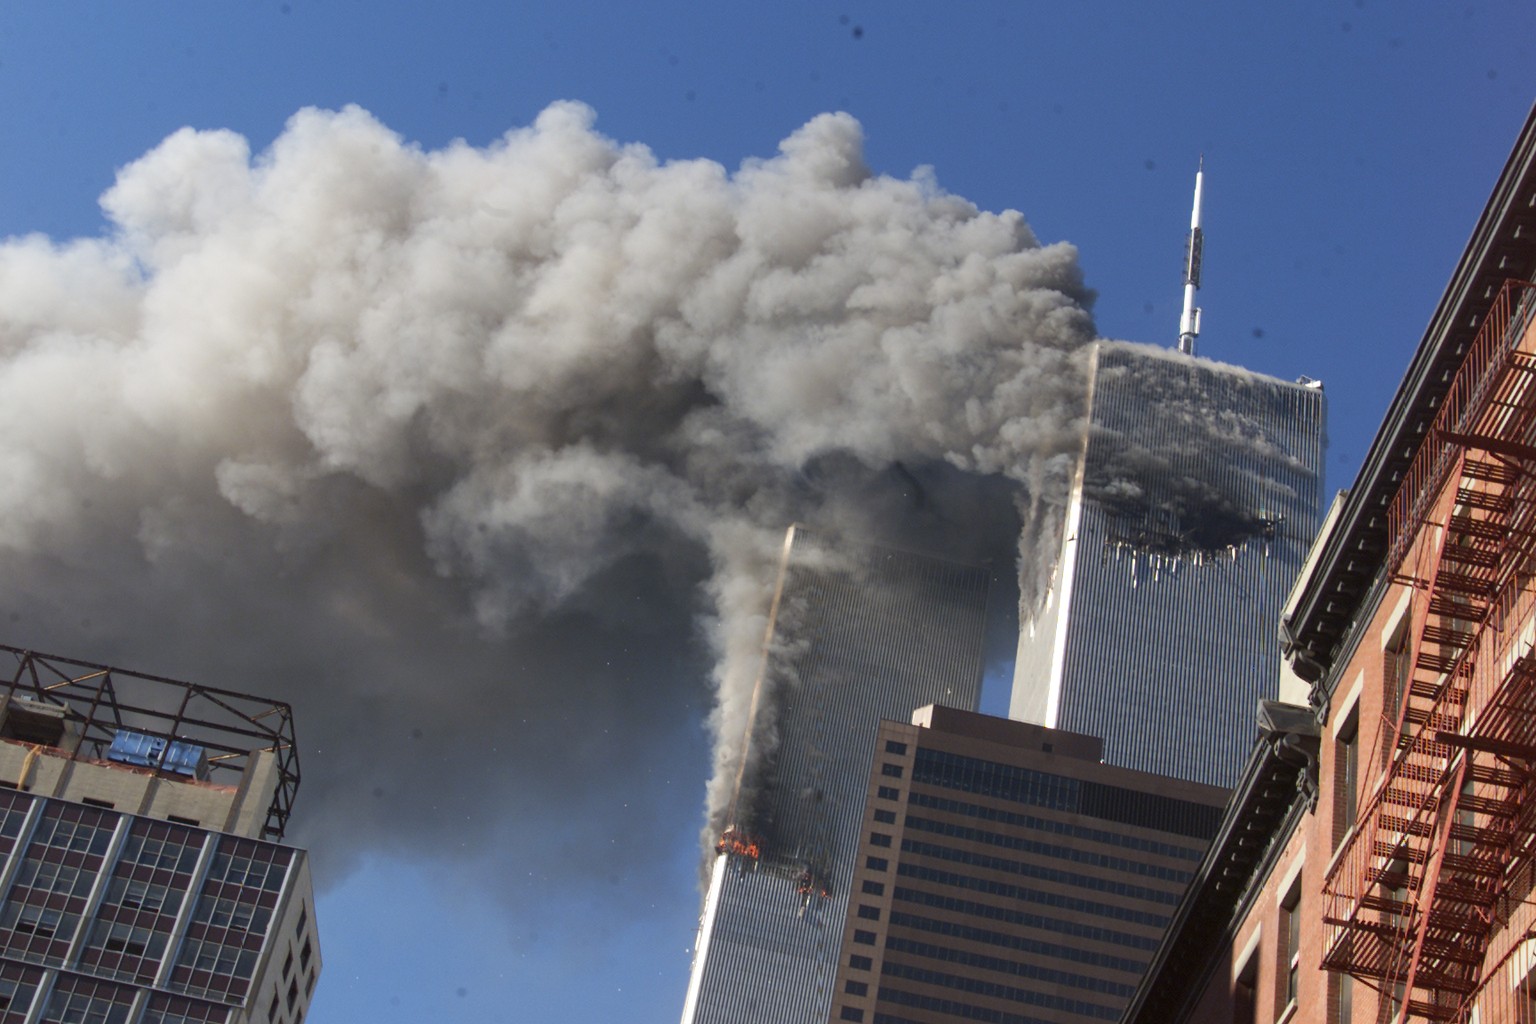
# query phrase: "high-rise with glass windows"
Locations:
[[140, 877], [1005, 874]]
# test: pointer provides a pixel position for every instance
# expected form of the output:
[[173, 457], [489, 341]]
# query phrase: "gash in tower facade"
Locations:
[[1192, 511], [857, 634]]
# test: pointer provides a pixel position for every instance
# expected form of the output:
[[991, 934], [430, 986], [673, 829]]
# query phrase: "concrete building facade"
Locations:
[[857, 634], [1004, 874], [140, 877], [1377, 861], [1195, 501]]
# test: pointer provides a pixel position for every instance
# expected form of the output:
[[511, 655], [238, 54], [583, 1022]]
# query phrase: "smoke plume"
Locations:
[[482, 457]]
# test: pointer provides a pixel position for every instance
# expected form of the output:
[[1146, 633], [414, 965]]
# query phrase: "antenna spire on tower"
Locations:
[[1189, 323]]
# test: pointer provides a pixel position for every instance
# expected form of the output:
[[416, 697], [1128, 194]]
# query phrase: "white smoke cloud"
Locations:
[[480, 456]]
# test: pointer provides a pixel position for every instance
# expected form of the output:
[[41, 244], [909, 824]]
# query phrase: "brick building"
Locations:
[[1376, 860]]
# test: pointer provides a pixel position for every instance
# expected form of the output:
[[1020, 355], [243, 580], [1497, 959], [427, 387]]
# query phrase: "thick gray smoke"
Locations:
[[482, 456]]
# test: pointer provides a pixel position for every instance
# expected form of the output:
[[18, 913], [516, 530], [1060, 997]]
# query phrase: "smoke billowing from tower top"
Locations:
[[484, 453]]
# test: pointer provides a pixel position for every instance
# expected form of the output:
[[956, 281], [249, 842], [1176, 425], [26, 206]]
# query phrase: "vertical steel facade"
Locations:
[[1193, 514], [860, 634]]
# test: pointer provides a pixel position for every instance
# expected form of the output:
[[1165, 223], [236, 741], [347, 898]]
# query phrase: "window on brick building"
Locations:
[[1395, 665], [1245, 992], [1346, 775], [1341, 998], [1290, 927]]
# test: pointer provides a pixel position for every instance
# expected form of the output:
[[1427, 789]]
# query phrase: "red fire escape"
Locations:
[[1417, 893]]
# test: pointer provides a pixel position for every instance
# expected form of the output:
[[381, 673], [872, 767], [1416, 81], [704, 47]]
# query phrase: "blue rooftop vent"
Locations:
[[144, 751]]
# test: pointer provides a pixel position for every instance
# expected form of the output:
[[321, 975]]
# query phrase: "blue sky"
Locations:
[[1349, 147]]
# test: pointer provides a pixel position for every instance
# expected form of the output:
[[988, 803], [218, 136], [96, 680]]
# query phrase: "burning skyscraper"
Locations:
[[856, 634], [1194, 503], [1193, 508]]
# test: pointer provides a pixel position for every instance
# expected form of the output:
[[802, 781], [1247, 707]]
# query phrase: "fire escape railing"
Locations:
[[1412, 901]]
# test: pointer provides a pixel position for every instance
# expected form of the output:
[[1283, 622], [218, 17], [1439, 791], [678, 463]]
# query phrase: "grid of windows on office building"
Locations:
[[80, 1000], [1059, 851], [1030, 821], [219, 953], [1027, 919], [48, 895], [97, 896], [18, 984], [1057, 917], [1062, 793]]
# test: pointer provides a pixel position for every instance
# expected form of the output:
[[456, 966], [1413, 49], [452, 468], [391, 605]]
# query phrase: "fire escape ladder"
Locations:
[[1422, 924], [1415, 894], [1379, 931]]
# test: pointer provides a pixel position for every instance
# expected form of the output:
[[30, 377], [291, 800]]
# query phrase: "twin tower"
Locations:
[[1192, 505]]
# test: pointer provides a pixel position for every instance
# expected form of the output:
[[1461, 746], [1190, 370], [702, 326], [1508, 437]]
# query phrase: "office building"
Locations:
[[1395, 883], [1195, 501], [141, 880], [857, 634], [1004, 874]]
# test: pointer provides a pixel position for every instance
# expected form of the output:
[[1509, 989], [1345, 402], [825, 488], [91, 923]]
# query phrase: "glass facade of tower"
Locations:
[[1189, 523], [859, 635], [113, 918]]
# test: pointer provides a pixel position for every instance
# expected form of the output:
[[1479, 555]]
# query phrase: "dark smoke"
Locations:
[[482, 457]]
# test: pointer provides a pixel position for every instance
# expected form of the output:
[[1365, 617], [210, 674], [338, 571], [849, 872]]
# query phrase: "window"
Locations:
[[121, 937], [874, 888], [893, 747], [249, 863], [879, 839], [886, 817], [37, 921], [86, 1008], [132, 895], [856, 988], [860, 963], [168, 1009], [1341, 998], [160, 845], [1290, 927], [1395, 665], [851, 1013], [893, 770], [1346, 775], [888, 793], [1388, 1003], [52, 876], [869, 913], [877, 863], [227, 913], [864, 938], [1245, 993]]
